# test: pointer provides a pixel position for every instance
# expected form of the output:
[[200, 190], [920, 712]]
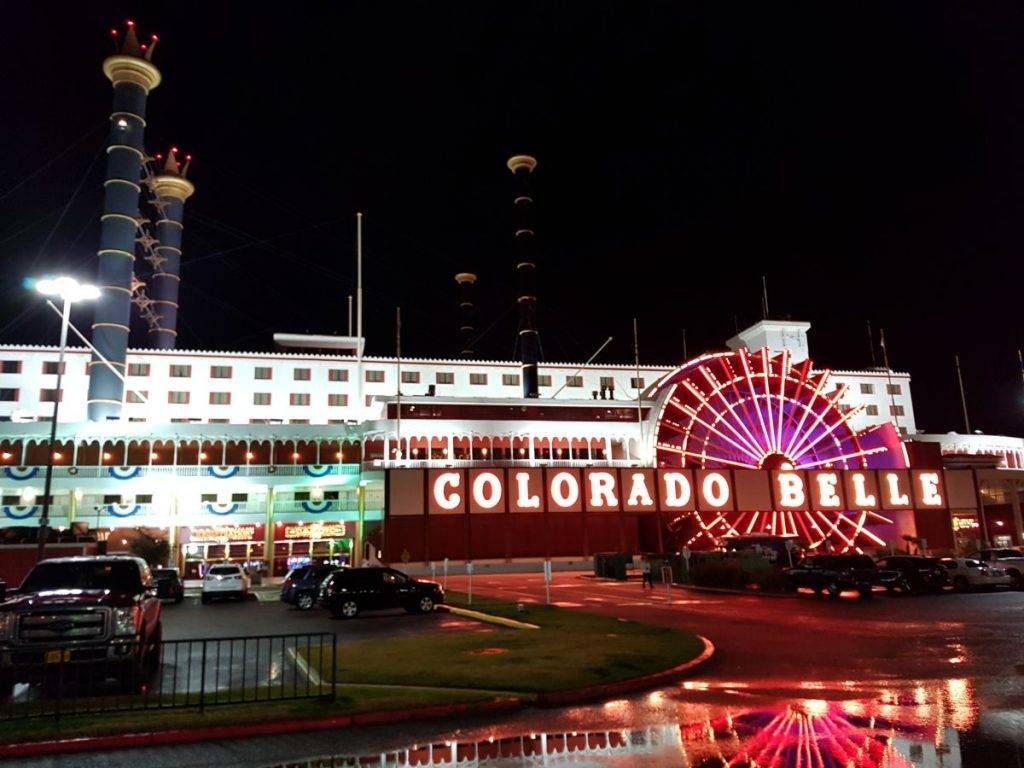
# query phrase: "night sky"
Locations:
[[866, 159]]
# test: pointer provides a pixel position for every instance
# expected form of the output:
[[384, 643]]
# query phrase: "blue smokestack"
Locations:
[[171, 189], [133, 77], [529, 340]]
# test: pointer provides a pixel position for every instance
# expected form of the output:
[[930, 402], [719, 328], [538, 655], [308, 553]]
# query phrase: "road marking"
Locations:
[[311, 674]]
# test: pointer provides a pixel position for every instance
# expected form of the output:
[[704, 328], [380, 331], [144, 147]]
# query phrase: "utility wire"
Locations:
[[51, 161]]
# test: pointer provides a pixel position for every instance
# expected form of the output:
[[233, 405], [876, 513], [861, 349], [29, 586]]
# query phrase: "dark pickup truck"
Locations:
[[93, 617], [835, 574]]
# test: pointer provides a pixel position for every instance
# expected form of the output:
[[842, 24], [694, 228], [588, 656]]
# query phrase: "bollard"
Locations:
[[469, 573], [666, 576]]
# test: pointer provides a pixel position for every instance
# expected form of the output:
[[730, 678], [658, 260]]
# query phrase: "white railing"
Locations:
[[467, 463], [193, 470]]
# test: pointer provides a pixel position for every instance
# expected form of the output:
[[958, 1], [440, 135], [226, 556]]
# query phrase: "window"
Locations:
[[298, 421], [299, 398], [138, 369], [893, 389], [337, 400], [261, 398], [239, 496], [444, 377], [263, 374], [636, 383], [220, 371], [871, 410], [10, 366], [12, 500], [144, 498], [301, 374], [301, 496], [369, 400], [220, 398], [337, 374], [111, 499], [181, 371], [50, 368], [544, 380], [845, 407], [178, 398], [867, 389], [478, 378], [375, 376], [607, 382], [179, 421], [574, 381], [50, 396], [220, 421], [210, 498], [896, 410], [8, 395], [410, 377], [510, 379], [137, 397]]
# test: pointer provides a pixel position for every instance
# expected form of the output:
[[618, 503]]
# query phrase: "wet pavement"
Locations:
[[805, 681]]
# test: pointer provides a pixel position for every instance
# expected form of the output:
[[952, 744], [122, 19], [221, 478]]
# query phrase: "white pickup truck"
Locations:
[[1010, 560]]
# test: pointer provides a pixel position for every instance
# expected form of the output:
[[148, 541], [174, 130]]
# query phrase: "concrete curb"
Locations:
[[607, 690], [486, 617], [270, 727], [745, 592]]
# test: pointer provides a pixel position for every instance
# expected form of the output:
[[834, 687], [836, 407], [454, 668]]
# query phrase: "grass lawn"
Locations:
[[572, 649]]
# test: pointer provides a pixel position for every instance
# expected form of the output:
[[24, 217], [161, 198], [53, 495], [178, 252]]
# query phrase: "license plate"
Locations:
[[56, 657]]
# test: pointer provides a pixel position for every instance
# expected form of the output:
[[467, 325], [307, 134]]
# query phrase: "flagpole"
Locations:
[[888, 376], [963, 396], [398, 399], [639, 409]]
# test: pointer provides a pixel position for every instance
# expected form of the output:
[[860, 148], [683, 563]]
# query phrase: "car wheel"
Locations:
[[179, 598], [960, 584], [205, 598], [425, 604], [1016, 580], [833, 589], [305, 601], [865, 592], [347, 610]]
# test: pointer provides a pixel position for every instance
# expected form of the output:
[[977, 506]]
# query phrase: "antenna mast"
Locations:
[[398, 384], [963, 396], [639, 410], [359, 311]]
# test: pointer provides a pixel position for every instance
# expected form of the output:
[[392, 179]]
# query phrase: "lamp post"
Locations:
[[69, 291]]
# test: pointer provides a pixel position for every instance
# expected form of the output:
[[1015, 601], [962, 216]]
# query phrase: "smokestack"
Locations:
[[529, 341], [133, 76], [172, 189], [466, 311]]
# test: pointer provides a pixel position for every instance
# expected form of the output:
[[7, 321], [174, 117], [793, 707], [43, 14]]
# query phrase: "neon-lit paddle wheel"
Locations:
[[743, 410]]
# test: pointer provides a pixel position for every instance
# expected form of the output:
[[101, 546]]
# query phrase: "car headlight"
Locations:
[[7, 621], [124, 621]]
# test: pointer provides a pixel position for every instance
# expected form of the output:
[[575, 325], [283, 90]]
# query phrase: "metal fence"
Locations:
[[195, 673]]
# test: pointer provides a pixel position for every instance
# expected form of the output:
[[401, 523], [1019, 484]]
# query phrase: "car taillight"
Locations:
[[287, 584]]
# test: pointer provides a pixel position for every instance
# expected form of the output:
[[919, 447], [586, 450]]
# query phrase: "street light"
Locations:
[[69, 291]]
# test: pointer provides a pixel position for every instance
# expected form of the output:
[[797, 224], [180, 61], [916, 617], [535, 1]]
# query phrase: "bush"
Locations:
[[735, 571]]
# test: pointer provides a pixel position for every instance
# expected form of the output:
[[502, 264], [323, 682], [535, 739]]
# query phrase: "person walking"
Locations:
[[645, 571]]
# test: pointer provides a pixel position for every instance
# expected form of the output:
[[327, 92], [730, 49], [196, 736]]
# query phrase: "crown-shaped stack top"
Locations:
[[171, 165], [130, 46], [171, 180]]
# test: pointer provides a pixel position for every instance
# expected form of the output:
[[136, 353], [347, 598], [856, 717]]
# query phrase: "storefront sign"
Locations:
[[965, 524], [221, 533], [597, 489], [315, 531]]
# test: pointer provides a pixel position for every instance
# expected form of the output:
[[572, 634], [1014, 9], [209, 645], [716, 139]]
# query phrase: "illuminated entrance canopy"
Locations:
[[638, 490]]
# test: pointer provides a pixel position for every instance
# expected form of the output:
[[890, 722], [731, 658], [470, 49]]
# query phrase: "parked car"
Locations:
[[226, 580], [347, 592], [836, 573], [967, 573], [917, 573], [301, 586], [169, 585], [1010, 560], [99, 614]]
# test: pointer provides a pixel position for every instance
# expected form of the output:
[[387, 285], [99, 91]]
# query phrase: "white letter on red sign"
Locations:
[[677, 489], [525, 500], [930, 489], [565, 489], [892, 484], [827, 482], [639, 495], [715, 490], [602, 490], [791, 490], [487, 499], [443, 500], [861, 498]]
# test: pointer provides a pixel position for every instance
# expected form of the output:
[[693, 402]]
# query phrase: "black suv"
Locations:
[[349, 591], [836, 573], [916, 573], [302, 585], [168, 584]]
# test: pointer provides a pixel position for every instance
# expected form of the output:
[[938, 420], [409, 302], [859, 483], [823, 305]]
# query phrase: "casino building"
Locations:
[[316, 451]]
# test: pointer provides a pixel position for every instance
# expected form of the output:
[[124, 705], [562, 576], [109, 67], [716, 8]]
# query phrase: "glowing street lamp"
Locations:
[[69, 291]]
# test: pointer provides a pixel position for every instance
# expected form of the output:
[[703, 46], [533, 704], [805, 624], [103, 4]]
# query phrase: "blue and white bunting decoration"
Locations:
[[124, 473], [123, 510], [222, 473], [19, 513], [216, 508], [318, 470], [20, 474], [316, 507]]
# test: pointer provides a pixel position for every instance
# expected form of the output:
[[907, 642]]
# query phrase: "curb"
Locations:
[[745, 592], [486, 617], [215, 733], [653, 680]]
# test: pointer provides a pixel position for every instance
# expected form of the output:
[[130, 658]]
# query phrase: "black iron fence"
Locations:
[[90, 679]]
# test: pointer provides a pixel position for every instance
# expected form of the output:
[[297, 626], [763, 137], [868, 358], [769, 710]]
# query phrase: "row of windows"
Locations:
[[258, 398], [890, 389]]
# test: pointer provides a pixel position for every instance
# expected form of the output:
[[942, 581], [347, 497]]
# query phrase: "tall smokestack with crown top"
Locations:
[[133, 77], [467, 313], [529, 341], [171, 189]]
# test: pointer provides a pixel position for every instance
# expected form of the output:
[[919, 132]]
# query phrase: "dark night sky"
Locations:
[[868, 163]]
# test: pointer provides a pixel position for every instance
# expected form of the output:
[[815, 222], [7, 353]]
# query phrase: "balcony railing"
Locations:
[[25, 474], [467, 463]]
